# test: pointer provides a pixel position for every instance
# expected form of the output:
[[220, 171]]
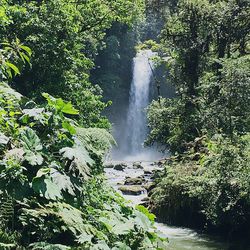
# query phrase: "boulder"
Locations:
[[120, 166], [145, 202], [137, 165], [145, 199], [149, 186], [133, 181], [131, 189], [148, 171]]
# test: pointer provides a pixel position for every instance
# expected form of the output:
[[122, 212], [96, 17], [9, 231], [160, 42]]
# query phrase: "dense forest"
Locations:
[[205, 47], [65, 75]]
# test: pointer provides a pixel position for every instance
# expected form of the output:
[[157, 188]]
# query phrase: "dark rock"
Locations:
[[131, 190], [145, 199], [137, 165], [120, 166], [148, 171], [133, 181], [149, 186], [157, 170]]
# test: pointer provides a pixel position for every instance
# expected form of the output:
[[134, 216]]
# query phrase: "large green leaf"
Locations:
[[37, 114], [51, 183], [101, 245], [47, 246], [5, 89], [121, 246], [32, 146], [60, 105], [4, 139], [98, 141], [142, 220], [62, 181], [44, 185], [145, 211], [79, 157], [66, 125], [117, 224]]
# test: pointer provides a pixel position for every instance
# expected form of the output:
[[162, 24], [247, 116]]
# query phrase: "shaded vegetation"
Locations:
[[205, 47]]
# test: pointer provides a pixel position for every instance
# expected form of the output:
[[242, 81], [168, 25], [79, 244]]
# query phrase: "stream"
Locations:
[[179, 238], [131, 151]]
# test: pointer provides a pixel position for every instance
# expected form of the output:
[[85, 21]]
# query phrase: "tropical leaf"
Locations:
[[84, 238], [13, 67], [4, 139], [27, 49], [5, 89], [117, 224], [32, 146], [60, 105], [47, 246], [142, 220], [101, 245], [121, 246], [38, 114], [44, 185], [98, 141], [145, 211], [66, 125], [62, 181], [79, 157]]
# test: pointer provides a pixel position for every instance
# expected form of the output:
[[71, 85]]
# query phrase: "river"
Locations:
[[180, 238]]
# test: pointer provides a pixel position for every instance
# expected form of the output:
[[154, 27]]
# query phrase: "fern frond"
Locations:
[[6, 210]]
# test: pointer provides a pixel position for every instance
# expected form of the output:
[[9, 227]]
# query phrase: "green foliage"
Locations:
[[65, 38], [208, 64], [52, 195], [10, 55], [207, 125], [32, 147], [47, 246], [50, 190], [214, 190]]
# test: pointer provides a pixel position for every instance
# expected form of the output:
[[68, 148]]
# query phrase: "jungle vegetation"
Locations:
[[53, 135], [61, 62], [205, 47]]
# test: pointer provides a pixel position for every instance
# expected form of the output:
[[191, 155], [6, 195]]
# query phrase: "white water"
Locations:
[[136, 129]]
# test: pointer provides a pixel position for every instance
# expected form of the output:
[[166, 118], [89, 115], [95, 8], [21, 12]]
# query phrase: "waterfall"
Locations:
[[136, 127]]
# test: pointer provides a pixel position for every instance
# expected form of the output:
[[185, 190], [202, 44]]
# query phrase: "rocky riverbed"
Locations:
[[134, 181]]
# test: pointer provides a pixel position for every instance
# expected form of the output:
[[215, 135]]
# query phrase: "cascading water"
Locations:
[[136, 129]]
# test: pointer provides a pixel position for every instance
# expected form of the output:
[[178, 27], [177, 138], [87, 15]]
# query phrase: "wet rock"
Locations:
[[145, 202], [145, 199], [148, 171], [161, 163], [120, 166], [137, 165], [149, 186], [157, 170], [131, 189], [134, 181]]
